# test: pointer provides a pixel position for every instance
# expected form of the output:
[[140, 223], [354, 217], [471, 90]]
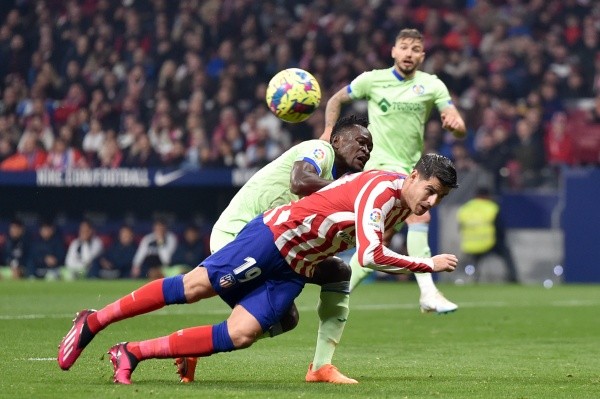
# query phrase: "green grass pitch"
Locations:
[[503, 342]]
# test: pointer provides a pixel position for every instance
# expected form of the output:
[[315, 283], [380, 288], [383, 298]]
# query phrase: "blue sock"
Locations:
[[221, 339], [173, 291]]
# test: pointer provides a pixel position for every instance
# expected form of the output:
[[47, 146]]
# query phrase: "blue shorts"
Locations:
[[251, 272]]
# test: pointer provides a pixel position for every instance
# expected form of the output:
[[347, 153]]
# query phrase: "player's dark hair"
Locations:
[[409, 34], [439, 166], [346, 122]]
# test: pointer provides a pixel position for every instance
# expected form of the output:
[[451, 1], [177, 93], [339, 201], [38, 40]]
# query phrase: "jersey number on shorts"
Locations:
[[248, 271]]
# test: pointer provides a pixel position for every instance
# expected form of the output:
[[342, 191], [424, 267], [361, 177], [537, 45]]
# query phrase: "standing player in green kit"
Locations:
[[400, 100]]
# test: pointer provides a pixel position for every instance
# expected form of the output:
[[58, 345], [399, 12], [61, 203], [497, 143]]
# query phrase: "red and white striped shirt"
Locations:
[[354, 210]]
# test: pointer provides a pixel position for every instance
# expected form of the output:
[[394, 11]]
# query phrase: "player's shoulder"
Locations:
[[316, 148], [314, 143], [424, 77], [378, 74]]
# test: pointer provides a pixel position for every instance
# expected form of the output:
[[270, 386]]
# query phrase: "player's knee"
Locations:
[[194, 285], [242, 338], [332, 270], [290, 320]]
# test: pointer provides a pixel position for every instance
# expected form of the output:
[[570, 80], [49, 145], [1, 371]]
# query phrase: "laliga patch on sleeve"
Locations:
[[374, 219], [318, 154]]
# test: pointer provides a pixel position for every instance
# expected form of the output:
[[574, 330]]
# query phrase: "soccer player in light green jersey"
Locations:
[[400, 100], [301, 170]]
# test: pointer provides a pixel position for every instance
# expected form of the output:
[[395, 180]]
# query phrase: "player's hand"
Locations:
[[453, 124], [444, 263]]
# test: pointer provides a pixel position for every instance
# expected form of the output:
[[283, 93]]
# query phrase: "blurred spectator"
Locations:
[[16, 251], [29, 157], [83, 251], [493, 153], [61, 157], [141, 154], [93, 140], [528, 156], [154, 251], [116, 260], [558, 144], [189, 253], [110, 155], [47, 253], [593, 114], [39, 132]]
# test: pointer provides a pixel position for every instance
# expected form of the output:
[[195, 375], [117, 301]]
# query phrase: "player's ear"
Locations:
[[335, 141], [414, 175]]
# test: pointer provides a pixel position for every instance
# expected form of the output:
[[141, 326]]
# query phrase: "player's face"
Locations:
[[423, 194], [408, 55], [354, 147]]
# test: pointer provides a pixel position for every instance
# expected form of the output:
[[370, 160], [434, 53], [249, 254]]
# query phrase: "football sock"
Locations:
[[359, 273], [195, 341], [417, 245], [145, 299], [333, 311]]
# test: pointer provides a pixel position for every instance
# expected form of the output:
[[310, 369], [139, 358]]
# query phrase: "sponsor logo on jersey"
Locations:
[[384, 104], [227, 281], [418, 90]]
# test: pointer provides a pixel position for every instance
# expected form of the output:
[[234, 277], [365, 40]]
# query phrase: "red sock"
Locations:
[[195, 341], [145, 299]]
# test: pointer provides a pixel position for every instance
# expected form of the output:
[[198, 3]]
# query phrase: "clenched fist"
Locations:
[[444, 263]]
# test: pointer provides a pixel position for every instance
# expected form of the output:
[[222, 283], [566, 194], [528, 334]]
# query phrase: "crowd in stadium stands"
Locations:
[[181, 83], [49, 252], [98, 83]]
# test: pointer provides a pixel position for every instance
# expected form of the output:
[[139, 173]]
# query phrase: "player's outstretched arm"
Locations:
[[444, 263], [333, 110]]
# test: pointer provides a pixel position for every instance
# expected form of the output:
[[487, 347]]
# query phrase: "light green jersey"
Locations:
[[398, 109], [270, 186]]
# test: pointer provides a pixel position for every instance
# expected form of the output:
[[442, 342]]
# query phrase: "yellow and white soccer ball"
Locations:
[[293, 95]]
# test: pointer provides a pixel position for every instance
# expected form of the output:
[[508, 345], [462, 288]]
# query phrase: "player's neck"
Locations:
[[403, 76]]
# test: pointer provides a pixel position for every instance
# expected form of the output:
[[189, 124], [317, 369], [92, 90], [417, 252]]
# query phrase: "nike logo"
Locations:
[[342, 320], [162, 179]]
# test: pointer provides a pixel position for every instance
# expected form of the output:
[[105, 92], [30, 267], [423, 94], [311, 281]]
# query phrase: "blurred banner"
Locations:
[[127, 177]]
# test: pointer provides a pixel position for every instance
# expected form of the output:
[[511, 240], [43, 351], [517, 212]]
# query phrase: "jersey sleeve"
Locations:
[[442, 95], [374, 203], [360, 86], [319, 154]]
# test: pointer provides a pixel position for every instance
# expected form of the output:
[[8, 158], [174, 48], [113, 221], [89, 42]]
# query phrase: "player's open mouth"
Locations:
[[363, 160]]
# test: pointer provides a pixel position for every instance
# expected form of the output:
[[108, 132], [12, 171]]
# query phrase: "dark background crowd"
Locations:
[[181, 83]]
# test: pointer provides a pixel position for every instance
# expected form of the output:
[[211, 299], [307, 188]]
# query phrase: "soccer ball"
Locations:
[[293, 95]]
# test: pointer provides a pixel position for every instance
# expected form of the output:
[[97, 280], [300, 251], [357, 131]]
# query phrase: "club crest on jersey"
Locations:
[[375, 218], [319, 154], [227, 281], [418, 90]]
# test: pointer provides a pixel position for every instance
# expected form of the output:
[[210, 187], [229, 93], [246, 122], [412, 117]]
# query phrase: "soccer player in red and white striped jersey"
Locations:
[[265, 268]]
